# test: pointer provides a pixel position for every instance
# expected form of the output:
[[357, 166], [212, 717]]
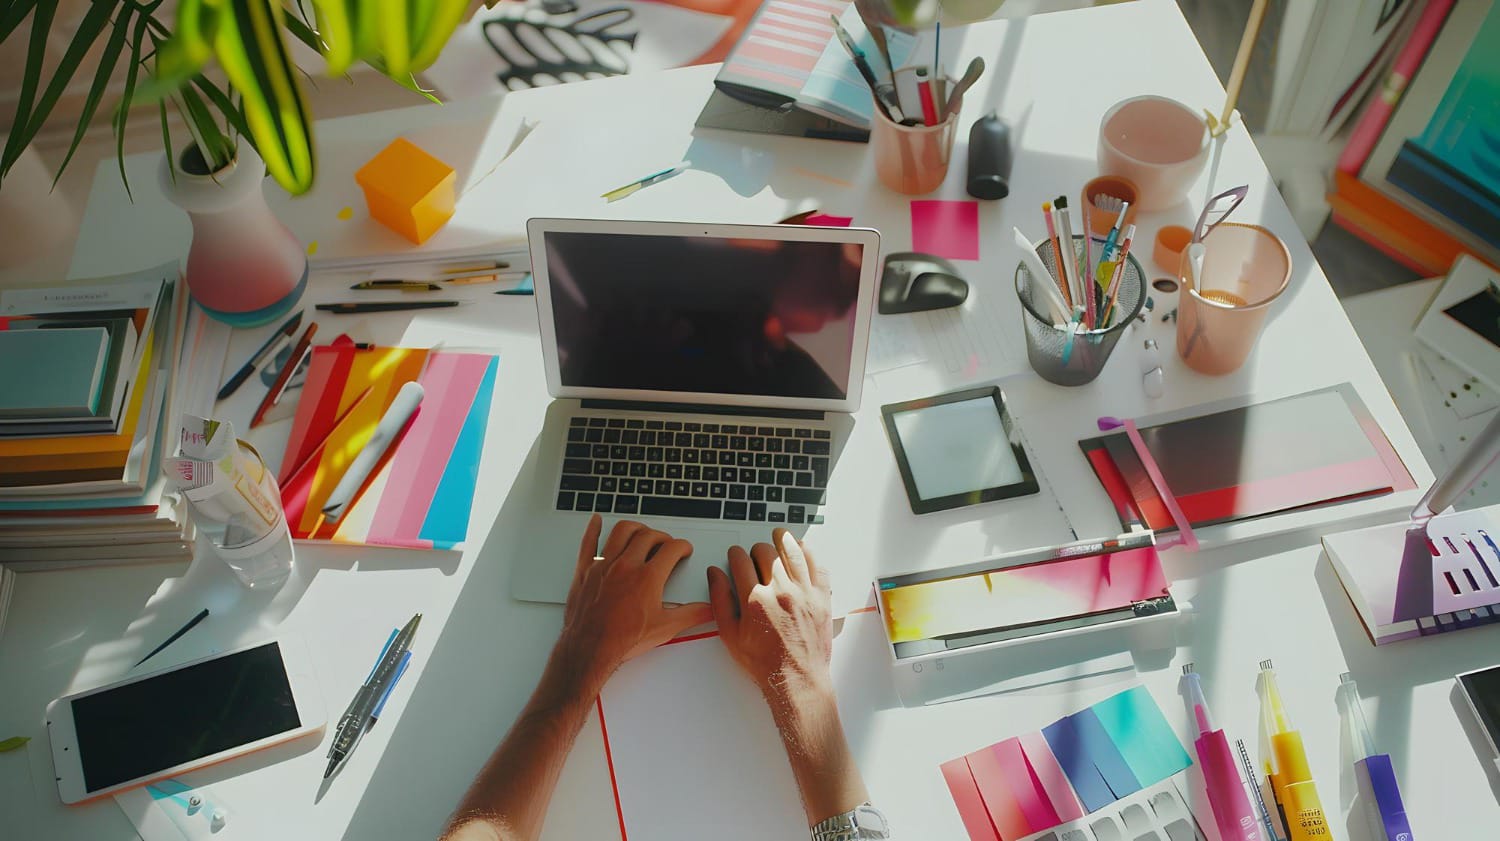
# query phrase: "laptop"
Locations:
[[703, 377]]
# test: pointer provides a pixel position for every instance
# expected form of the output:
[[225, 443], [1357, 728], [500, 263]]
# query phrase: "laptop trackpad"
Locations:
[[689, 582]]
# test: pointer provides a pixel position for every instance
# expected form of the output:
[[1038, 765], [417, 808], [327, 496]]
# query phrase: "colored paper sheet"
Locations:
[[1073, 756], [966, 797], [1030, 795], [1105, 755], [1005, 811], [447, 522], [1139, 729], [829, 221], [1049, 775], [946, 228], [435, 459]]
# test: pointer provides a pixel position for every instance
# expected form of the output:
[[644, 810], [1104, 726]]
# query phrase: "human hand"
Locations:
[[614, 609], [776, 617]]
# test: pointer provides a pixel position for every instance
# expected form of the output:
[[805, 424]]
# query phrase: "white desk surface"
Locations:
[[479, 652]]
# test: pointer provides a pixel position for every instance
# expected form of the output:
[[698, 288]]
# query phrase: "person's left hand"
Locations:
[[615, 609]]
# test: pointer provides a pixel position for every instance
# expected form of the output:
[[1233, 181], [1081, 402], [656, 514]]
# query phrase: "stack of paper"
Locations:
[[78, 489]]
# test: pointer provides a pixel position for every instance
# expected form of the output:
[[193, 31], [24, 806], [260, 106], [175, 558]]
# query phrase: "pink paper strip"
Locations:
[[1005, 813], [1030, 795], [966, 797], [1050, 774], [450, 383], [1184, 528], [946, 228]]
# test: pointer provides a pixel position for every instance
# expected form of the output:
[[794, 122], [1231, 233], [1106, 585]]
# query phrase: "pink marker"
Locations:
[[1226, 790]]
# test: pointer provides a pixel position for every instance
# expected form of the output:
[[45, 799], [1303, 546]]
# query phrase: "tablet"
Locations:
[[958, 449]]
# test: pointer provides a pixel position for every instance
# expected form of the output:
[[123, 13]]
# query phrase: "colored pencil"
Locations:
[[299, 351]]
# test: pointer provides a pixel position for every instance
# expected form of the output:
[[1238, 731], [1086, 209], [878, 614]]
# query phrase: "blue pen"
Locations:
[[400, 670]]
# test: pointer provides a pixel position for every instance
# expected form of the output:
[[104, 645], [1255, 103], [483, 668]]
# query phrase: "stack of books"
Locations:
[[89, 398]]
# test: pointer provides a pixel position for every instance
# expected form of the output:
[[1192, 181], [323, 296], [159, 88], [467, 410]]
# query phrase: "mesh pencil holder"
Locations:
[[1047, 346]]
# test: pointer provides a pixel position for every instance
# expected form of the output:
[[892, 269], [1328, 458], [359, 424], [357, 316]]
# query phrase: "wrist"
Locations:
[[793, 688], [574, 672]]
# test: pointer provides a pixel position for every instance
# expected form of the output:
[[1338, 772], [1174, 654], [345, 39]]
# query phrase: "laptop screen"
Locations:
[[704, 314]]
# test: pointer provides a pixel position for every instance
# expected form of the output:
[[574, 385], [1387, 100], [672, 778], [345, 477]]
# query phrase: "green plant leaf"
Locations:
[[166, 143], [337, 33], [31, 76], [107, 61], [93, 23], [304, 33], [394, 36], [215, 147], [15, 11], [446, 16], [254, 57], [122, 108], [13, 743], [220, 100]]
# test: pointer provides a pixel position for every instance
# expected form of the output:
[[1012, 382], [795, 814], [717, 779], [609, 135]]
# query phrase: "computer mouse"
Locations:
[[915, 282]]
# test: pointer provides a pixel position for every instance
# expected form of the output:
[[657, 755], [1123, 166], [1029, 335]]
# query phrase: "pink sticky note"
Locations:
[[827, 221], [946, 228], [1050, 775]]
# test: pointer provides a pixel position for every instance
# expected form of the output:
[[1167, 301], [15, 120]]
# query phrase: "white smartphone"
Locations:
[[1481, 689], [169, 722]]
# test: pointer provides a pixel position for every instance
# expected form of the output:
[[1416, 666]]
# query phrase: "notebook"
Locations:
[[791, 67], [73, 359]]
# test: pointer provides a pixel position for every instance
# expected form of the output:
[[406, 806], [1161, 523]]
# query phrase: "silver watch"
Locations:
[[862, 822]]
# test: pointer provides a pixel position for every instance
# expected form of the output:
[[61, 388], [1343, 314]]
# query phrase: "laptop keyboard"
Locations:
[[712, 471]]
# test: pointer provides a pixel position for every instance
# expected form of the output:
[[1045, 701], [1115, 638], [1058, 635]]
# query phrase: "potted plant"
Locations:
[[244, 266]]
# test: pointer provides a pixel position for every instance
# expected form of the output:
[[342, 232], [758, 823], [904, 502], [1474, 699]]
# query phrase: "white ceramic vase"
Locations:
[[244, 267]]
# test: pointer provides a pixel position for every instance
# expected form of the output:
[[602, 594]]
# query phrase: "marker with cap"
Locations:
[[1372, 770], [1285, 762], [1226, 791]]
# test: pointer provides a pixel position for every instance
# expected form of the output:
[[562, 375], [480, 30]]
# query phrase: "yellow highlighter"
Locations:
[[1285, 763]]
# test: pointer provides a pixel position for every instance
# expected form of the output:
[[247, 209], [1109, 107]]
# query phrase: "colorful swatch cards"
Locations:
[[1079, 764], [1234, 462], [419, 496]]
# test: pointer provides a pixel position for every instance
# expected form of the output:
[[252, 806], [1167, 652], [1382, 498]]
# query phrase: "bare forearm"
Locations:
[[509, 798], [827, 777]]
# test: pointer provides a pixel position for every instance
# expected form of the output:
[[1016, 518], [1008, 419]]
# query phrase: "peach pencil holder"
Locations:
[[912, 159], [1220, 314], [408, 190]]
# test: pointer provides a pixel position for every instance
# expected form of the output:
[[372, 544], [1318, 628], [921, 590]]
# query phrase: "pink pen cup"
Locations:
[[912, 159], [1220, 314], [1159, 144]]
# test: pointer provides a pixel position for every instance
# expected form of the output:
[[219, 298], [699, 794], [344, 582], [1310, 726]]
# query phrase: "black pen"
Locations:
[[383, 306], [248, 368], [357, 716], [398, 284], [191, 623]]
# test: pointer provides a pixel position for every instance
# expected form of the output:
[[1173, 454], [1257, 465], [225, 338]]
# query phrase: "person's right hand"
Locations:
[[776, 616]]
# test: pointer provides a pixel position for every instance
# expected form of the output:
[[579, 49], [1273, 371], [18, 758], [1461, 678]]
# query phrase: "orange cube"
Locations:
[[408, 190]]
